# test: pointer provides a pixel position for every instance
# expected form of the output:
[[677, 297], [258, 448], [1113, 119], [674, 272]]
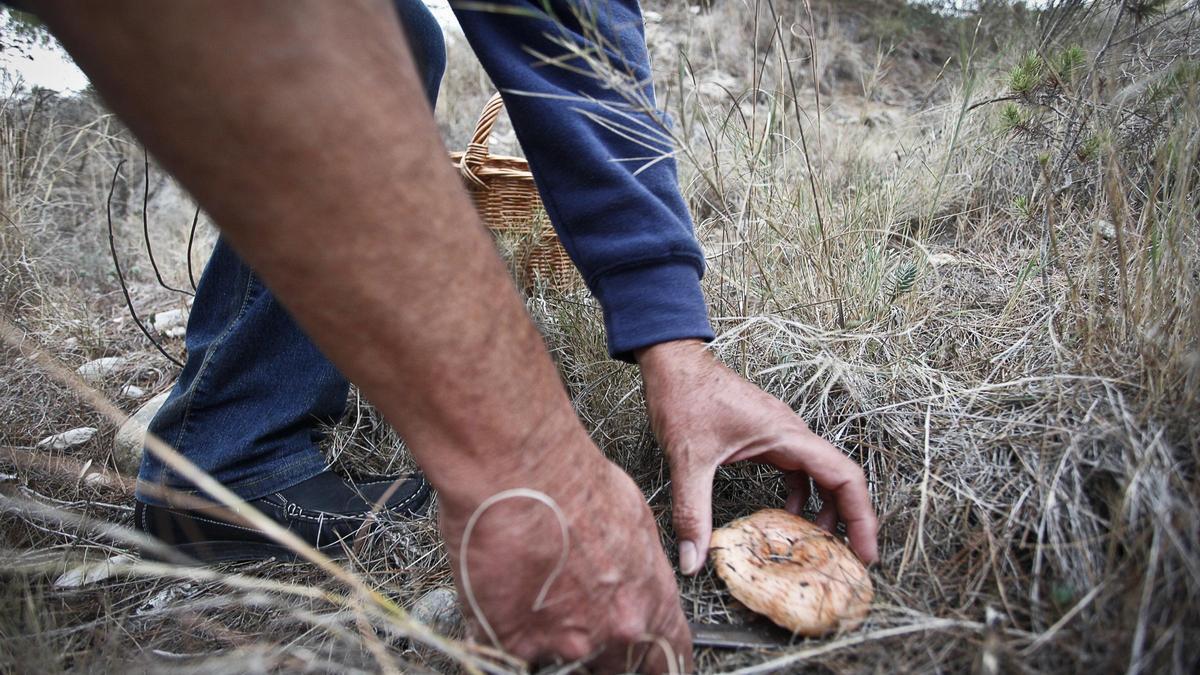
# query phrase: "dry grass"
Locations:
[[994, 309]]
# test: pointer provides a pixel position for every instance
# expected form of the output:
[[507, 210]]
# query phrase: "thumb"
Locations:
[[691, 496]]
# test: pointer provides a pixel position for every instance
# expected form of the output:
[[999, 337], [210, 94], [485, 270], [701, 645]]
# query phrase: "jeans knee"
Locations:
[[425, 41]]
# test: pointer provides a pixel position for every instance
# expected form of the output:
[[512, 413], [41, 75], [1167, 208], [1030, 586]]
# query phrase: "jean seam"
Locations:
[[203, 371]]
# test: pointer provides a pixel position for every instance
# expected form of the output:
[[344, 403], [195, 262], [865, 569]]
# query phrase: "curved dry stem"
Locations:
[[539, 601]]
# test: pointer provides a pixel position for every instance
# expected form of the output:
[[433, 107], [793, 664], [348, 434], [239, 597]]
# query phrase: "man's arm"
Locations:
[[602, 160], [587, 126], [300, 127]]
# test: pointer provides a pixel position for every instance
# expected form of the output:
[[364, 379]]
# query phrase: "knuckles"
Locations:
[[628, 628], [574, 648], [687, 519]]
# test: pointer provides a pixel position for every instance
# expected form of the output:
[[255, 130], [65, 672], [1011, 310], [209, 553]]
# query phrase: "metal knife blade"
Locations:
[[724, 636]]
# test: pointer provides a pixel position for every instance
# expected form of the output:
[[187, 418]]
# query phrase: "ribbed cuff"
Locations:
[[652, 303]]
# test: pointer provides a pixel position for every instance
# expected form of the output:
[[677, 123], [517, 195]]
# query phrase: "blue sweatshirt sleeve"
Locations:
[[602, 163]]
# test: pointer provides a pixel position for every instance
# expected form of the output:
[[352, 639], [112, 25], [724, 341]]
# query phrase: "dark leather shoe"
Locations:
[[327, 511]]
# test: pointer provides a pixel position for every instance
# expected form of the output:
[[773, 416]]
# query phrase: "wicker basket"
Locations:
[[507, 200]]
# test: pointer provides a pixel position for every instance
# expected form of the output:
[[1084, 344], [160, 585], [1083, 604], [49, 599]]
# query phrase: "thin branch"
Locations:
[[191, 239], [146, 225], [112, 247]]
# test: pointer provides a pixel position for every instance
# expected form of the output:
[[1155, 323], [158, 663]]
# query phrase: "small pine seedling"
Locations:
[[1069, 62], [1023, 207], [1026, 75], [1013, 117]]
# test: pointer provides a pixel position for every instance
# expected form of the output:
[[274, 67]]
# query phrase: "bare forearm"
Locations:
[[301, 128]]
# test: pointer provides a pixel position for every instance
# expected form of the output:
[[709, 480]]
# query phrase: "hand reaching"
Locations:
[[705, 415]]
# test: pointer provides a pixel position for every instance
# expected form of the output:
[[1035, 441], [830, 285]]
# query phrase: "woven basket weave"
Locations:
[[507, 200]]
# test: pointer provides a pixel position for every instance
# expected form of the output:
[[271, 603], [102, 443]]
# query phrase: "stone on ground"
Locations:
[[68, 439], [127, 445], [93, 372], [438, 609]]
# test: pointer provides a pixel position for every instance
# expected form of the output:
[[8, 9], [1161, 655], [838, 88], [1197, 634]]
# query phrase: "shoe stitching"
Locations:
[[318, 519], [214, 522], [419, 477], [336, 518], [354, 516]]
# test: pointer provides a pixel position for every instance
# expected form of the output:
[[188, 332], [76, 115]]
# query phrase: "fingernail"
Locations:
[[688, 558]]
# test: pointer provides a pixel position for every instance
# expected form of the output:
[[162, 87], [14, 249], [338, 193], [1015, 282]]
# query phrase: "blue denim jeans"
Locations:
[[255, 390]]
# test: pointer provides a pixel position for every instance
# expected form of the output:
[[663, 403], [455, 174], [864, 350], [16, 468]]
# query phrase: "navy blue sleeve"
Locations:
[[602, 162]]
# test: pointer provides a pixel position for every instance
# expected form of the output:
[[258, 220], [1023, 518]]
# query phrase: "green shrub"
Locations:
[[1069, 62], [1027, 74]]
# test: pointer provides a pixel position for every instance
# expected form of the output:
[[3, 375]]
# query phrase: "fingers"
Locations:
[[827, 517], [798, 491], [669, 642], [671, 653], [666, 650], [651, 654], [647, 636], [640, 629], [691, 496], [843, 489]]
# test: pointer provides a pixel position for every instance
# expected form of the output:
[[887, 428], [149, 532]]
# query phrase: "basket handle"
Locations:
[[477, 149]]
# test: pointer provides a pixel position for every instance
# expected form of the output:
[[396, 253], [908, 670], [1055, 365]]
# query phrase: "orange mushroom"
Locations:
[[793, 572]]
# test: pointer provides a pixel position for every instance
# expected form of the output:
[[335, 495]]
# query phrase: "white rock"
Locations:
[[164, 598], [939, 259], [90, 574], [99, 480], [127, 444], [1105, 229], [176, 332], [169, 320], [652, 17], [68, 439], [93, 372], [132, 391], [439, 610]]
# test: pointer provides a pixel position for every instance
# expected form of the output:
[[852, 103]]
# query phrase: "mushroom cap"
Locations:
[[793, 572]]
